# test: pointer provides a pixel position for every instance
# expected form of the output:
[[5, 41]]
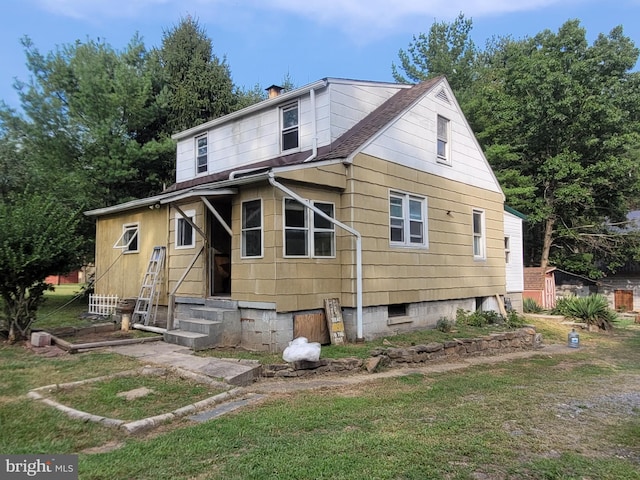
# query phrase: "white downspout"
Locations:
[[307, 204], [314, 126]]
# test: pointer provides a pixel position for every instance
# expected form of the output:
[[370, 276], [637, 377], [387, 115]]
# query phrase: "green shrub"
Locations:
[[531, 306], [478, 318], [514, 320], [444, 325]]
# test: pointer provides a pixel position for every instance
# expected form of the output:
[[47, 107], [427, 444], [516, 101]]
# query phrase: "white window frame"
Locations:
[[199, 156], [182, 223], [507, 249], [331, 229], [309, 228], [404, 221], [245, 229], [479, 242], [286, 130], [443, 137], [125, 243]]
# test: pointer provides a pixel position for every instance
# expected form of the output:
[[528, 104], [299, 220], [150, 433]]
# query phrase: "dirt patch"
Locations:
[[92, 337]]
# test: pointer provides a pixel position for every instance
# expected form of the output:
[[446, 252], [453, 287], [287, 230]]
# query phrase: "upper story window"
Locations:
[[252, 228], [290, 127], [407, 220], [301, 236], [185, 237], [478, 235], [128, 241], [443, 140], [202, 154]]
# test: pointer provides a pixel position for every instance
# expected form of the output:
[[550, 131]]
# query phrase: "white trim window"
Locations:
[[324, 231], [302, 237], [408, 220], [507, 250], [443, 140], [479, 238], [289, 127], [252, 228], [202, 154], [185, 235], [129, 240]]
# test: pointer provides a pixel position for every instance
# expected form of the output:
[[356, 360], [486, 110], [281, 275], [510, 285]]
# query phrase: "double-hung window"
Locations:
[[202, 154], [478, 235], [324, 237], [290, 127], [307, 231], [407, 220], [128, 241], [443, 140], [252, 228], [185, 237]]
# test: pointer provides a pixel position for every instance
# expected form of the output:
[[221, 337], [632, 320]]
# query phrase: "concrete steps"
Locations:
[[216, 323]]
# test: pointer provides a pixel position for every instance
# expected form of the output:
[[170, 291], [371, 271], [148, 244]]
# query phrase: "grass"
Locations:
[[548, 417], [63, 308], [168, 393]]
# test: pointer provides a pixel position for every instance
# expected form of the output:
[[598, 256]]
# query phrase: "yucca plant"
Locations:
[[531, 306], [593, 310]]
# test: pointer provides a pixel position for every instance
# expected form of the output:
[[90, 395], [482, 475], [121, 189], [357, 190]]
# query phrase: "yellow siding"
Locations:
[[119, 273], [444, 270], [195, 283]]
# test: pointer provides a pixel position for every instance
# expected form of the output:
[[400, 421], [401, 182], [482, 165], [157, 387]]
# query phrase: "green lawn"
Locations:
[[63, 307], [571, 416]]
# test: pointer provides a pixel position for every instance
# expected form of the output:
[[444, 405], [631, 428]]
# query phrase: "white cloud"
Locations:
[[358, 18]]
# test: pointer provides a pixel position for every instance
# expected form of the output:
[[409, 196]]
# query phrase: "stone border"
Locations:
[[493, 344], [135, 426]]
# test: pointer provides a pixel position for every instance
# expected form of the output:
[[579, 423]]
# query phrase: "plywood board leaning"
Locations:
[[335, 323]]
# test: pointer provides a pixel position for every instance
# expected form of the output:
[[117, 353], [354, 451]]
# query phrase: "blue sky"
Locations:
[[308, 39]]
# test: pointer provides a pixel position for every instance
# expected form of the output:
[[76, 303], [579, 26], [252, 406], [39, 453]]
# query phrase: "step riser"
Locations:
[[215, 314], [221, 303], [198, 343], [210, 329]]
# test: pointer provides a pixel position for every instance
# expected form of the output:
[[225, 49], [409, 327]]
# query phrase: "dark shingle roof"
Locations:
[[370, 125]]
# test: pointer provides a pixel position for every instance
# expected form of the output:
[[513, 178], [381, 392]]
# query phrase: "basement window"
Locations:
[[398, 313]]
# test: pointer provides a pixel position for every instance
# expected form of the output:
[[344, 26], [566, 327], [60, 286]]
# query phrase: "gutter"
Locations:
[[307, 204]]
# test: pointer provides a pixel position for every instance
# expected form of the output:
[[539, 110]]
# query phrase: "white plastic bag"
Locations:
[[301, 349]]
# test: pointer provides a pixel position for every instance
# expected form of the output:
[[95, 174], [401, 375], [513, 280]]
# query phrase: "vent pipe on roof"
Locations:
[[274, 90]]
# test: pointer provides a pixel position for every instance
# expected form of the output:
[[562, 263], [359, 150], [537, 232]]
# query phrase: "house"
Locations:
[[513, 258], [375, 194], [621, 288]]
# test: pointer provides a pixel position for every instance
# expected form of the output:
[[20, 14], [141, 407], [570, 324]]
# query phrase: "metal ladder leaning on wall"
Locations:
[[147, 302]]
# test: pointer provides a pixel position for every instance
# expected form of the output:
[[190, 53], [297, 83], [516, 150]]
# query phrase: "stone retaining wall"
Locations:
[[492, 344]]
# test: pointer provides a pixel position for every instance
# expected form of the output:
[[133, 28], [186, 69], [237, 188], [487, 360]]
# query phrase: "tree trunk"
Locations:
[[546, 243]]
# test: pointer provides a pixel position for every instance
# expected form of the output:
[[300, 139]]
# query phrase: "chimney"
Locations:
[[274, 90]]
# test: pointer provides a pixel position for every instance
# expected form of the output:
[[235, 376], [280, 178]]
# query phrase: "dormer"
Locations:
[[286, 123]]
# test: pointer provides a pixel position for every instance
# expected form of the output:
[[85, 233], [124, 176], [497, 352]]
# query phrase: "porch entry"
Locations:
[[219, 254]]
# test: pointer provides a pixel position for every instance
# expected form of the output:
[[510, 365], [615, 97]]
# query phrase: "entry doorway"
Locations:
[[219, 249]]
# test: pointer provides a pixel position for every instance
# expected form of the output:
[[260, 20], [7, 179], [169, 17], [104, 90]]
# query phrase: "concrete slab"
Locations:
[[166, 354], [225, 408]]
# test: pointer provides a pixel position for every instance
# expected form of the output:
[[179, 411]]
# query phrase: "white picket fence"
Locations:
[[103, 304]]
